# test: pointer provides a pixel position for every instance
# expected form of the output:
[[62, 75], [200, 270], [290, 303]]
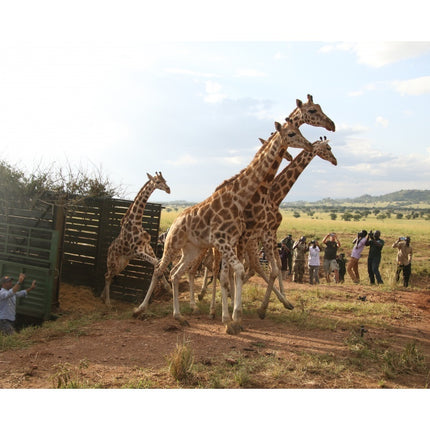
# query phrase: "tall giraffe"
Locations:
[[218, 222], [281, 186], [133, 241], [309, 113]]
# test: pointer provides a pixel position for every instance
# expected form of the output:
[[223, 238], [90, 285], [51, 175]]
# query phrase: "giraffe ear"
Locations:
[[278, 126], [150, 177], [299, 103], [262, 140]]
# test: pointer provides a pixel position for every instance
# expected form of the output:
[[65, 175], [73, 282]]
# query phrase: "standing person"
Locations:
[[330, 264], [314, 262], [375, 244], [299, 249], [288, 241], [283, 254], [359, 244], [8, 295], [404, 259], [341, 261]]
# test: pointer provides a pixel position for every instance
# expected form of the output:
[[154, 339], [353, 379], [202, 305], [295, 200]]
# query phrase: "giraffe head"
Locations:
[[159, 182], [291, 135], [312, 114], [323, 150], [287, 155]]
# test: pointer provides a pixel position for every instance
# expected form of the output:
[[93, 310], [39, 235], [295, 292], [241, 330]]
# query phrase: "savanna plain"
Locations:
[[333, 338]]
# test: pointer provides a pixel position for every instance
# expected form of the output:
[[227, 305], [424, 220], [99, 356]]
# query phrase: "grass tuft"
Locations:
[[181, 361]]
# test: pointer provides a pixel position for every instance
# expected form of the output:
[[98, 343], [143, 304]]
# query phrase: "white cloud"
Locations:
[[382, 121], [187, 72], [249, 73], [185, 160], [213, 92], [237, 160], [379, 54], [413, 87]]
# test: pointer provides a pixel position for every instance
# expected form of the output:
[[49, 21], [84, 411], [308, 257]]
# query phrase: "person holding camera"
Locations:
[[404, 259], [359, 244], [299, 249], [330, 263], [289, 242], [314, 262], [8, 295], [375, 244]]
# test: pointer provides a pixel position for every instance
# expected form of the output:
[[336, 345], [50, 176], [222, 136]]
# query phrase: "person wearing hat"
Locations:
[[8, 294], [404, 259], [359, 244], [300, 248]]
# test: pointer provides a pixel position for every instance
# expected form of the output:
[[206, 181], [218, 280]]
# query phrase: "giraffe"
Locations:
[[218, 222], [281, 186], [255, 214], [133, 241], [211, 258]]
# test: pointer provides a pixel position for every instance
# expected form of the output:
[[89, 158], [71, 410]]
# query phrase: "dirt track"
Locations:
[[110, 353]]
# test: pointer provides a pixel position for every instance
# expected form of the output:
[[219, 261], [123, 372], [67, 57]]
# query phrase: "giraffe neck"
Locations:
[[134, 213], [296, 118], [284, 181], [260, 172]]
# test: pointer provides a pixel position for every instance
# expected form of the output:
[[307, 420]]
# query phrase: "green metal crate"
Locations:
[[33, 251]]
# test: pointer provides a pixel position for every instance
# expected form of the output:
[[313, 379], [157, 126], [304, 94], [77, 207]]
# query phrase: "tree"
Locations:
[[347, 216], [61, 186], [296, 214], [333, 216]]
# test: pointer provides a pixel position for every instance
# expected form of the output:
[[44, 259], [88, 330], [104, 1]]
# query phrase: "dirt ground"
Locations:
[[110, 352]]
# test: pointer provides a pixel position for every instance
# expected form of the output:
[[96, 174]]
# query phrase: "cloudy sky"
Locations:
[[130, 90]]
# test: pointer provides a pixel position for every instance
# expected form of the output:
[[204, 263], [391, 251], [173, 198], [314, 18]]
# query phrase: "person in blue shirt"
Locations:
[[8, 295]]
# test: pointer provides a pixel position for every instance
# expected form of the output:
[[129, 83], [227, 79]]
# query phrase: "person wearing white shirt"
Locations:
[[314, 262], [8, 295]]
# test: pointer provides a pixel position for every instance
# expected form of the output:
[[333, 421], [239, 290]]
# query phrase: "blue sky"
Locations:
[[101, 87]]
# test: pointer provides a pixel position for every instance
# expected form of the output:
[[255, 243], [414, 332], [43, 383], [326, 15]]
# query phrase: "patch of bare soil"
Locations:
[[112, 352]]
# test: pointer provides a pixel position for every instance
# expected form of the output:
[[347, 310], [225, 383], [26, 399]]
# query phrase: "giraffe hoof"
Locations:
[[138, 313], [182, 321], [233, 328], [288, 305], [261, 313]]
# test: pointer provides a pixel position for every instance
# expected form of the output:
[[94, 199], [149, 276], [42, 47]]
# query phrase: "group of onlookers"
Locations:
[[293, 258]]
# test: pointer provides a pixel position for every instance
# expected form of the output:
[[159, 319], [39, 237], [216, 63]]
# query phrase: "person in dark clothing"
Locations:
[[375, 244], [289, 242], [283, 254], [330, 264], [341, 261]]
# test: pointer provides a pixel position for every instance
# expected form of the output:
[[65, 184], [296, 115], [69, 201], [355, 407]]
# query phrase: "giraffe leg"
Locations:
[[159, 270], [191, 277], [229, 258], [116, 264], [189, 254], [213, 299], [205, 284], [270, 247]]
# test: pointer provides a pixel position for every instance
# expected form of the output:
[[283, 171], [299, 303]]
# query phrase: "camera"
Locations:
[[402, 238], [371, 234]]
